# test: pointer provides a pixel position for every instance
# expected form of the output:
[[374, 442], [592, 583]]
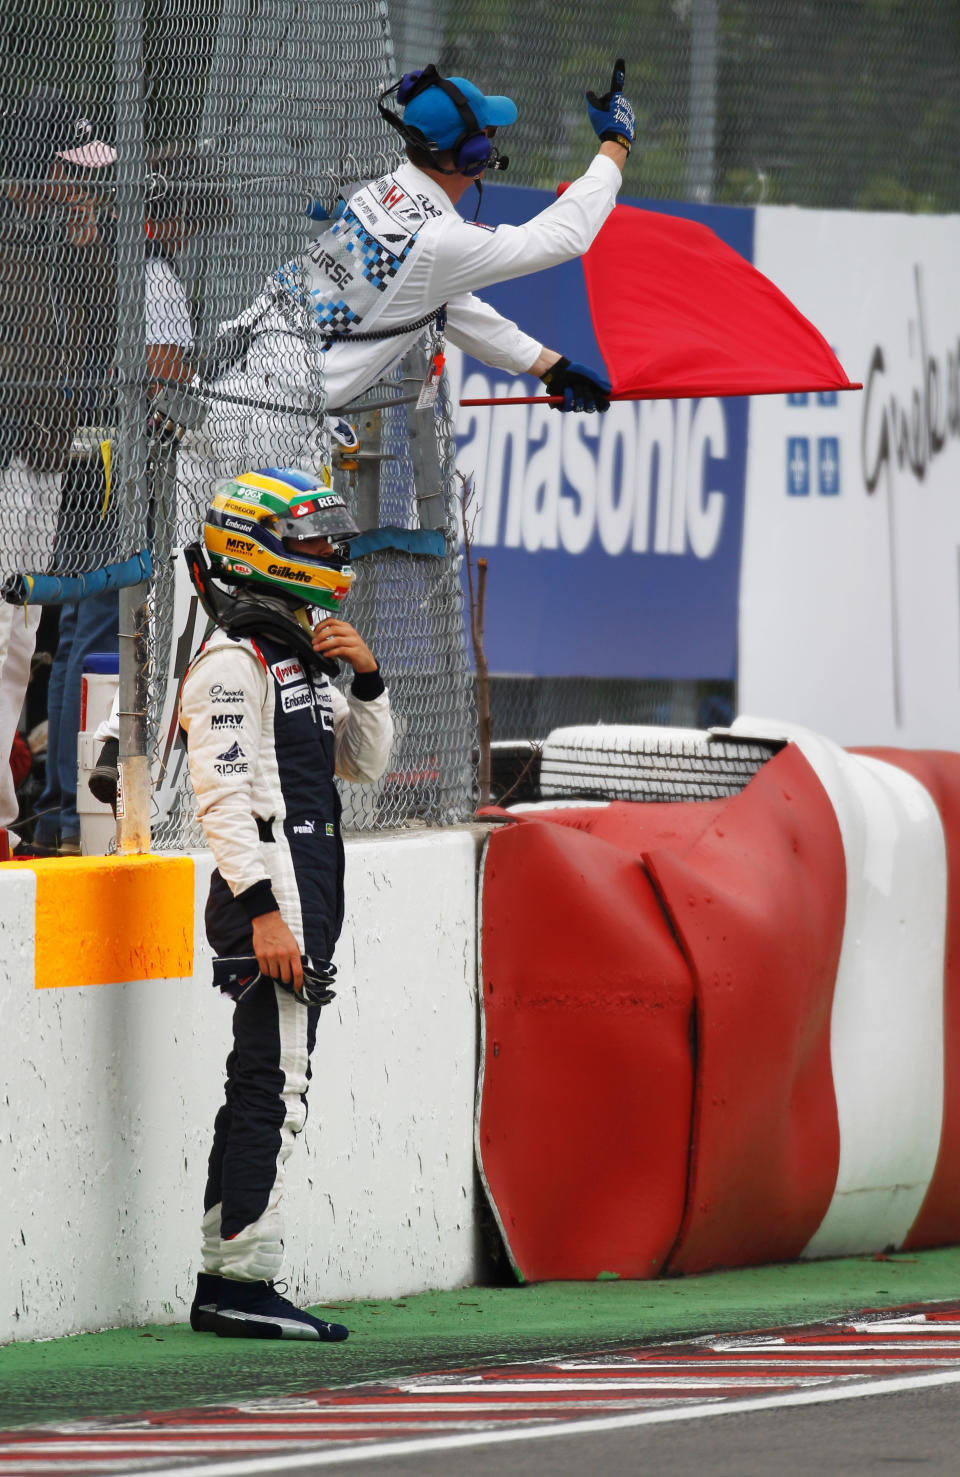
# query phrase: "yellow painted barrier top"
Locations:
[[104, 920]]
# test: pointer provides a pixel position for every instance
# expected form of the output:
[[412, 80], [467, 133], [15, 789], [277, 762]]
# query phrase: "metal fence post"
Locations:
[[702, 126], [133, 810]]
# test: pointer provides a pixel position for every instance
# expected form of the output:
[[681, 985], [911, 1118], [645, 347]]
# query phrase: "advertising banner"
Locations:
[[613, 542], [850, 600]]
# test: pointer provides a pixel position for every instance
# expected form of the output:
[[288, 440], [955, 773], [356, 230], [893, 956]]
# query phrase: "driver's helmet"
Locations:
[[256, 527]]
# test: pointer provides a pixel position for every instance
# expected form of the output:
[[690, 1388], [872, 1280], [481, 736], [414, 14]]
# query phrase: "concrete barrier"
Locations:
[[109, 1090]]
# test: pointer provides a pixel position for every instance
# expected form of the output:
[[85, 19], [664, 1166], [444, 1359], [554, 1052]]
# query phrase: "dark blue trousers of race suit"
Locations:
[[268, 1069]]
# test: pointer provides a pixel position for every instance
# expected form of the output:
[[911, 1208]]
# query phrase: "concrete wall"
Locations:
[[108, 1094]]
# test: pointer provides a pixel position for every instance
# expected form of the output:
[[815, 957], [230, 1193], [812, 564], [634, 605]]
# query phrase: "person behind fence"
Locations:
[[175, 198], [171, 207], [54, 271], [266, 732], [398, 260]]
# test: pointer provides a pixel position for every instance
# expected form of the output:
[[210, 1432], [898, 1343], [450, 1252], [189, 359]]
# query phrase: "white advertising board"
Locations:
[[850, 583]]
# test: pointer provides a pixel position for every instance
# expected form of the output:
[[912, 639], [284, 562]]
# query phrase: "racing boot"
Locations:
[[204, 1304], [256, 1310]]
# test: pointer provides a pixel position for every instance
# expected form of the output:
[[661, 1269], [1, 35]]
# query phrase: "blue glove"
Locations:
[[582, 388], [611, 115]]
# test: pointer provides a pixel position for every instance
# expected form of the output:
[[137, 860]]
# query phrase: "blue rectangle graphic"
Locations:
[[828, 466], [798, 466]]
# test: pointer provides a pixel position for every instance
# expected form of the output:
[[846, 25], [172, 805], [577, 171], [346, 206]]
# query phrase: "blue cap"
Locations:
[[436, 115]]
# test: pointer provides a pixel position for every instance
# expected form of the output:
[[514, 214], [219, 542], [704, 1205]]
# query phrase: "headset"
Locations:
[[473, 151]]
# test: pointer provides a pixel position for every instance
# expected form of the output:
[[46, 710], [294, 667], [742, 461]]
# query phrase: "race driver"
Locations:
[[266, 733]]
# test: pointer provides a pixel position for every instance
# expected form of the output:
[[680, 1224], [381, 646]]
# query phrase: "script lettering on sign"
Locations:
[[910, 429]]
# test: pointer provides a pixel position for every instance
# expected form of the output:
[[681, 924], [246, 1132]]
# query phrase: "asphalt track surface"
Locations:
[[915, 1432], [849, 1366]]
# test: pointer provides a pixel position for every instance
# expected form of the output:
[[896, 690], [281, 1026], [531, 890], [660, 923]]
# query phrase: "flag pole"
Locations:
[[671, 394]]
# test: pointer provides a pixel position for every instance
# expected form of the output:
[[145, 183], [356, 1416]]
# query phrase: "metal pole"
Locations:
[[702, 128], [669, 392], [133, 809]]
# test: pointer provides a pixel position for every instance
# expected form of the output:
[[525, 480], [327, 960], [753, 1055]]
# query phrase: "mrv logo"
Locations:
[[645, 478]]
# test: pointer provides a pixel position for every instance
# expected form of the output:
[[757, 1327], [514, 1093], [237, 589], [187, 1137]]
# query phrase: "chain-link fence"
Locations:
[[530, 707], [827, 103], [164, 168], [161, 161]]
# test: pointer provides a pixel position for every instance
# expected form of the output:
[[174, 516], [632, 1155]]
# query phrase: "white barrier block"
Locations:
[[381, 1196], [111, 1092]]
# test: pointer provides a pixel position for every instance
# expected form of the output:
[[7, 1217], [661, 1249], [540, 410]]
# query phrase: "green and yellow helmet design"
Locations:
[[256, 522]]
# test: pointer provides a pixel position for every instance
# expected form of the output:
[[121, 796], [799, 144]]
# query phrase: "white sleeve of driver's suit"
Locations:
[[226, 682], [480, 330], [469, 257], [362, 736]]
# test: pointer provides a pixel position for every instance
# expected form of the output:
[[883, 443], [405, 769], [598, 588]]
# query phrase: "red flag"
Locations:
[[678, 313]]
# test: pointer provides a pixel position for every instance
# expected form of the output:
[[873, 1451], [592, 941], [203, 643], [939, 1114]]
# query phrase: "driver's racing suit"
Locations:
[[266, 731]]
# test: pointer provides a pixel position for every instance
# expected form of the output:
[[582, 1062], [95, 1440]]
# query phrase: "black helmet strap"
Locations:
[[251, 617]]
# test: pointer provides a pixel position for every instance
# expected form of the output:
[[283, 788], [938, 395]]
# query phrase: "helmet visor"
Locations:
[[320, 518]]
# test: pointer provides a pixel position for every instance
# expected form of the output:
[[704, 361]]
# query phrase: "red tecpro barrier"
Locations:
[[587, 1081], [759, 906], [938, 1223], [610, 1136]]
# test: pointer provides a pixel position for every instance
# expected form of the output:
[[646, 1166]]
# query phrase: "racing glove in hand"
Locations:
[[611, 115], [582, 388]]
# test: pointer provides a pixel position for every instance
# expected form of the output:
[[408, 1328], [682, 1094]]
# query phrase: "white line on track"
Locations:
[[154, 1446], [297, 1461], [767, 1361], [666, 1382], [395, 1407], [150, 1464], [906, 1325], [840, 1344]]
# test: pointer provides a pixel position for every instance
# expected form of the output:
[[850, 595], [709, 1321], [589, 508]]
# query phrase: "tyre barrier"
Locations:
[[625, 762], [723, 1032]]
